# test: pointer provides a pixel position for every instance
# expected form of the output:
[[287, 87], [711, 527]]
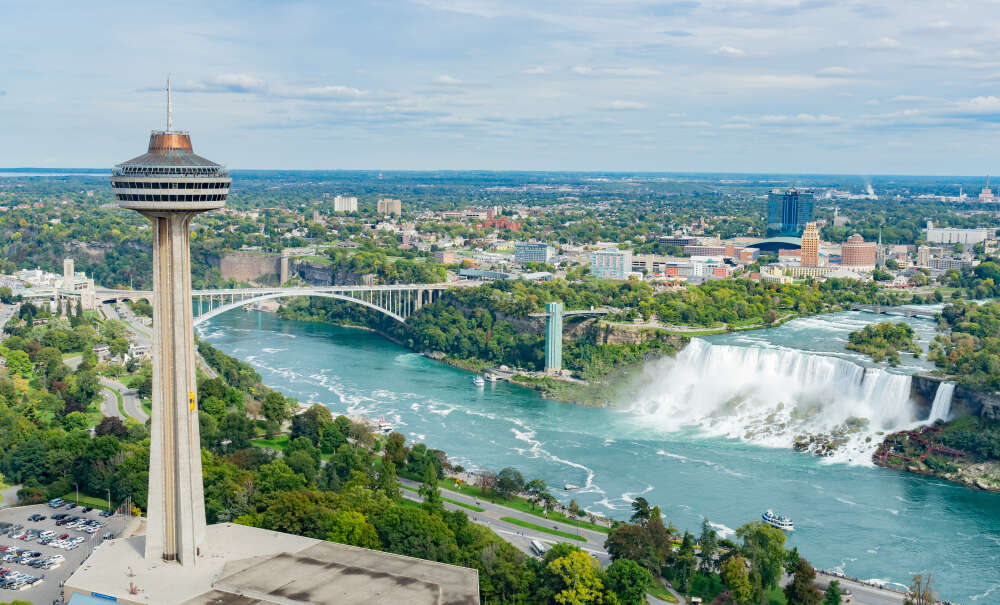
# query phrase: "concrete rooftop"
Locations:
[[245, 565]]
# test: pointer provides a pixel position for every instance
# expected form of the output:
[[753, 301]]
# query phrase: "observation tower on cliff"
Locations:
[[169, 185]]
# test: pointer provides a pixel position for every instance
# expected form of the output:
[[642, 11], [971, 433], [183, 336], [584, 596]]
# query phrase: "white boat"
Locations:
[[383, 426], [570, 487], [780, 521], [478, 381], [492, 377]]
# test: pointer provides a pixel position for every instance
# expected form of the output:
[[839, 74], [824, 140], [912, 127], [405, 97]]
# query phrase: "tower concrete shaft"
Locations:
[[176, 502], [170, 185]]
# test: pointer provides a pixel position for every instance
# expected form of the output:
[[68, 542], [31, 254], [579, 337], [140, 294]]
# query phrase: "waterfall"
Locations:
[[941, 408], [772, 396]]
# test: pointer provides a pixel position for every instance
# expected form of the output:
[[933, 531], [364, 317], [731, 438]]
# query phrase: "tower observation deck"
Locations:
[[170, 185]]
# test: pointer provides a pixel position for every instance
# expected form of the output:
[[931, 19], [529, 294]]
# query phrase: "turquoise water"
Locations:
[[867, 522]]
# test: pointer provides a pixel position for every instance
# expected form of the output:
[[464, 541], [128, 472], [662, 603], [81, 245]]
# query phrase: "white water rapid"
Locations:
[[941, 407], [774, 396]]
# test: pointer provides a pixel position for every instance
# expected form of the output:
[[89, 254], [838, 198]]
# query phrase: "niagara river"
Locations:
[[709, 433]]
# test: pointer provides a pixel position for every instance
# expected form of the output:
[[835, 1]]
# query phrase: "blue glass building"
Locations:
[[788, 212]]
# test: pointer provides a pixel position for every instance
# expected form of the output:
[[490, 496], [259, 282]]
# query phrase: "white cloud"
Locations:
[[620, 105], [535, 71], [446, 80], [238, 83], [963, 53], [979, 106], [728, 51], [883, 43], [802, 118], [637, 72], [331, 92], [836, 72]]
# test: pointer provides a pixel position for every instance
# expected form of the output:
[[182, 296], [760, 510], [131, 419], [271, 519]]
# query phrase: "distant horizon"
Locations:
[[92, 171]]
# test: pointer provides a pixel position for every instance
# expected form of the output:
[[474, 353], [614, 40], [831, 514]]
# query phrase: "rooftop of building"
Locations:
[[170, 148], [249, 565]]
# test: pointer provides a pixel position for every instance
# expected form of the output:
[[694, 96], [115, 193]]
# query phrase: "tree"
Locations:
[[350, 527], [641, 511], [736, 576], [387, 480], [764, 547], [801, 590], [832, 595], [414, 533], [709, 543], [430, 491], [279, 477], [629, 581], [395, 448], [684, 564], [921, 591], [536, 490], [509, 482], [274, 407], [111, 426], [580, 582]]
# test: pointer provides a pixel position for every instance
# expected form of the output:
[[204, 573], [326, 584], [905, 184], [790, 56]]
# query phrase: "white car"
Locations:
[[47, 533], [57, 558]]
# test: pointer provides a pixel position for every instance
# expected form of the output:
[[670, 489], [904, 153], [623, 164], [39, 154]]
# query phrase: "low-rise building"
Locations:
[[532, 253]]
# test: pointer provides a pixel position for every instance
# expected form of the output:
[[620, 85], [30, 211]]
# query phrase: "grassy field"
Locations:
[[532, 526], [86, 500], [278, 443], [660, 592]]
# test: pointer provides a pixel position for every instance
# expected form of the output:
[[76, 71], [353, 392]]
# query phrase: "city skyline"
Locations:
[[710, 86]]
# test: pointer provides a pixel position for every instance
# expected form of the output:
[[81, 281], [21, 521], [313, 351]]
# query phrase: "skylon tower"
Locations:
[[169, 185]]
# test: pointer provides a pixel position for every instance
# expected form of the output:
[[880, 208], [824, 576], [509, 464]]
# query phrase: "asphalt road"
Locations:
[[130, 399], [519, 536], [109, 406]]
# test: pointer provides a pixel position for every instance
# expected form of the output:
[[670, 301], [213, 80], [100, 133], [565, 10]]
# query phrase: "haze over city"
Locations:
[[716, 85]]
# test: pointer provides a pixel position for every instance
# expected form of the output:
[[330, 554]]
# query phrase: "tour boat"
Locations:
[[570, 486], [492, 377], [478, 381], [780, 521], [383, 426]]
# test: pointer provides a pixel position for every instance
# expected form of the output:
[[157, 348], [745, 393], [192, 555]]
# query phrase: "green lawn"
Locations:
[[660, 592], [278, 443], [86, 500], [548, 530], [775, 596], [147, 406]]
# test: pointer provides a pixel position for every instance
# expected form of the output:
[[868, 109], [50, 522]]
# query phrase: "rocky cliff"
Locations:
[[964, 401]]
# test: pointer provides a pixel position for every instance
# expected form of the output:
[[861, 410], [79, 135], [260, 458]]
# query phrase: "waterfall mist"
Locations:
[[773, 396]]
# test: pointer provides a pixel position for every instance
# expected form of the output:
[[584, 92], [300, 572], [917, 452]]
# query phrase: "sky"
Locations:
[[793, 86]]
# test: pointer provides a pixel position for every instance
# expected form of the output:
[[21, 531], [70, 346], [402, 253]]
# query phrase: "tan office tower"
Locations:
[[810, 246], [69, 274], [169, 185]]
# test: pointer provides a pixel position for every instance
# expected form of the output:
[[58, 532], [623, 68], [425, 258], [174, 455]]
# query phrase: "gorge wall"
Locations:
[[964, 401]]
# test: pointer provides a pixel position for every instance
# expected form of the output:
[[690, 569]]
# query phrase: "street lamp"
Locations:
[[77, 485], [109, 499]]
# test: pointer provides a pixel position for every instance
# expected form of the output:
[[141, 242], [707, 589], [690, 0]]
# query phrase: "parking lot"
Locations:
[[53, 559]]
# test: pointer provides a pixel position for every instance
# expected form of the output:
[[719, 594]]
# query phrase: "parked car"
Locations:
[[56, 502]]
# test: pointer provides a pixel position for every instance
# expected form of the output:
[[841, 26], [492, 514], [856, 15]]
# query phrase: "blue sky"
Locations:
[[869, 87]]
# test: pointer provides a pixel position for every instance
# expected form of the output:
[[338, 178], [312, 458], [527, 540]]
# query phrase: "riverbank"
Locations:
[[931, 451]]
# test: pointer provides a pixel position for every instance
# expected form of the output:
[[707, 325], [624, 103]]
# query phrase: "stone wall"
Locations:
[[248, 266]]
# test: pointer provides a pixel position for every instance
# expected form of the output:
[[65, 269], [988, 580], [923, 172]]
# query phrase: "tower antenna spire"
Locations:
[[170, 108]]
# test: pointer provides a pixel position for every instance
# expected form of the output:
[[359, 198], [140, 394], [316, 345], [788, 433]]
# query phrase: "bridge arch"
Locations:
[[272, 295]]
